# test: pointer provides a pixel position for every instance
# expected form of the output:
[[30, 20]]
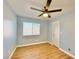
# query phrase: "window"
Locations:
[[31, 29], [36, 29], [27, 28]]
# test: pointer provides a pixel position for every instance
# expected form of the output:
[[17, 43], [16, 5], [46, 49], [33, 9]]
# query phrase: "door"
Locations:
[[56, 32]]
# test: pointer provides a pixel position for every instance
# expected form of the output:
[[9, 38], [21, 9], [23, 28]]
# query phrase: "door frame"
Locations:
[[58, 23]]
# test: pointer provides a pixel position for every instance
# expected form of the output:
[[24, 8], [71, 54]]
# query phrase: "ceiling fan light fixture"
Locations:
[[45, 14]]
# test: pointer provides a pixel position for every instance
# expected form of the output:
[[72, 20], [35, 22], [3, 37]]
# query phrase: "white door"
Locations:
[[56, 32]]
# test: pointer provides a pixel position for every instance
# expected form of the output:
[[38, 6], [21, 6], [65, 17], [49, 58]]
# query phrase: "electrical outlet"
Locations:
[[69, 49]]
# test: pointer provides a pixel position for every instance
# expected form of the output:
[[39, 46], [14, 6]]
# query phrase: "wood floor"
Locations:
[[41, 51]]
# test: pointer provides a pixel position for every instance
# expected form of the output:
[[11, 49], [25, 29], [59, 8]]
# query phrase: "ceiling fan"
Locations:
[[46, 12]]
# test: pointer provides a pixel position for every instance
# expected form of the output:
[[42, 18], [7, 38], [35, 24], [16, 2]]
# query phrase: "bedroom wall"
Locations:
[[67, 35], [9, 25], [67, 31], [23, 40]]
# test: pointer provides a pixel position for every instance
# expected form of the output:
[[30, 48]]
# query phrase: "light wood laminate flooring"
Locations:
[[39, 51]]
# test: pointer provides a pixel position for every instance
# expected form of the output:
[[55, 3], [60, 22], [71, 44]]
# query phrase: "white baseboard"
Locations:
[[67, 53], [12, 53], [50, 43], [31, 44], [62, 50], [39, 43], [26, 45]]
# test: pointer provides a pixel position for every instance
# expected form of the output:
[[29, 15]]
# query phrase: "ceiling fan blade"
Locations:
[[48, 3], [57, 10], [37, 9], [40, 14]]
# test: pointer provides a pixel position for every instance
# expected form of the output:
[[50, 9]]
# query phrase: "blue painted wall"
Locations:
[[9, 25], [67, 31], [67, 35], [31, 39]]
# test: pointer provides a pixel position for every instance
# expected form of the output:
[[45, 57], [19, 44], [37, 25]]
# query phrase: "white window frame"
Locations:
[[35, 29]]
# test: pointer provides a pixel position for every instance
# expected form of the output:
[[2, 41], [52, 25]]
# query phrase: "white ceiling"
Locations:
[[22, 7]]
